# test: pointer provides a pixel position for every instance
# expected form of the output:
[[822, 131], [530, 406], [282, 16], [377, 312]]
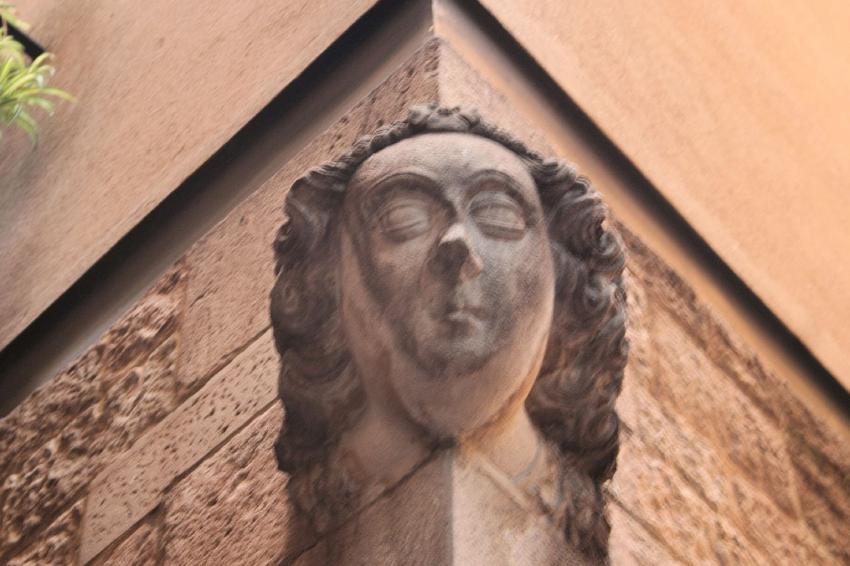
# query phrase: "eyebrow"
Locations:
[[509, 186], [422, 184]]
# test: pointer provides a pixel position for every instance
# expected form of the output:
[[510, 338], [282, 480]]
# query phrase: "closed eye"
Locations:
[[405, 217], [498, 215]]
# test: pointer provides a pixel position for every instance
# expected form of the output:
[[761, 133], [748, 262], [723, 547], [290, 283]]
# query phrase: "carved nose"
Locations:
[[455, 260]]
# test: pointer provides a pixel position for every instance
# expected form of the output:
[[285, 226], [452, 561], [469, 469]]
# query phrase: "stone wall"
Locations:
[[156, 445]]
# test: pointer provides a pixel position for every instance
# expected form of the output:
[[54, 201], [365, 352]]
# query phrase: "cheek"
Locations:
[[522, 278], [397, 267]]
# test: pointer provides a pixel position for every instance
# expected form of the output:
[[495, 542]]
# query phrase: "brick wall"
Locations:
[[155, 446]]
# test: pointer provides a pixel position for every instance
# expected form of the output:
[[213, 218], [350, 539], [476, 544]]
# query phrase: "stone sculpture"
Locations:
[[442, 289]]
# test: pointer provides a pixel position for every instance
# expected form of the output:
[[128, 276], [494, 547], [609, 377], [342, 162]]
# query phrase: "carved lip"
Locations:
[[461, 317], [459, 312]]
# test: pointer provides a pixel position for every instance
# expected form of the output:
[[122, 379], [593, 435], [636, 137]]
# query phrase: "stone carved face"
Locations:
[[442, 268], [448, 279]]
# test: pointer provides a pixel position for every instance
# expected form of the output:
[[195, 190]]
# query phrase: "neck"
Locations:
[[511, 443], [386, 445]]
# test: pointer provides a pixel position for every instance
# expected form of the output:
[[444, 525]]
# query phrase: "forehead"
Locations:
[[445, 157]]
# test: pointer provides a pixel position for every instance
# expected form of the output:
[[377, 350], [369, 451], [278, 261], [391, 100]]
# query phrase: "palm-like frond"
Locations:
[[23, 83]]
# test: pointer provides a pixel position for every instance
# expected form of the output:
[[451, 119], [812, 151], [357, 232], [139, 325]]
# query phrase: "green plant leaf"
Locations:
[[23, 84]]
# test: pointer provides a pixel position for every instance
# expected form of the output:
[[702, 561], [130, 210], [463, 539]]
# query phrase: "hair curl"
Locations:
[[572, 400]]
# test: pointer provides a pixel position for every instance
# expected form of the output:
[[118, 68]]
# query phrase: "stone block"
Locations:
[[133, 484], [148, 324], [233, 508], [784, 539], [136, 361], [666, 290], [126, 345], [649, 489], [824, 501], [679, 447], [142, 397], [631, 545], [140, 548], [51, 478], [690, 386], [48, 410], [57, 545]]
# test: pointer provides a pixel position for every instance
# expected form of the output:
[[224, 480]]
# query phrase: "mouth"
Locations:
[[462, 314], [460, 317]]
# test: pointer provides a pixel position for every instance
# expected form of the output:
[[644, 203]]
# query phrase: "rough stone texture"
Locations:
[[785, 540], [738, 436], [60, 438], [131, 486], [239, 495], [57, 545], [631, 545], [693, 457], [825, 504], [140, 548], [647, 487], [688, 383]]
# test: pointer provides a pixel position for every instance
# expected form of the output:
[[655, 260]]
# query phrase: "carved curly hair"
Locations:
[[572, 401]]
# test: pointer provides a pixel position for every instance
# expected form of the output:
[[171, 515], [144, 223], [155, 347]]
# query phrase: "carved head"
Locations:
[[442, 270]]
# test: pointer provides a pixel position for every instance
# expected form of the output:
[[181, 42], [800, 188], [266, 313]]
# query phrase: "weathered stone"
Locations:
[[688, 384], [147, 325], [641, 366], [138, 362], [129, 343], [784, 539], [239, 495], [824, 500], [48, 410], [50, 478], [669, 291], [493, 522], [680, 447], [730, 546], [811, 437], [631, 545], [792, 454], [648, 488], [142, 397], [133, 483], [56, 546], [140, 548], [398, 325]]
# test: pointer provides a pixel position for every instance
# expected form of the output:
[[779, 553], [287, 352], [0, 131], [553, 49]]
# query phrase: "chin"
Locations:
[[449, 425], [454, 355], [463, 400]]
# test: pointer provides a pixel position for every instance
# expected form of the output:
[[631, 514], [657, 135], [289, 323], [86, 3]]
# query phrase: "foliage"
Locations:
[[23, 84]]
